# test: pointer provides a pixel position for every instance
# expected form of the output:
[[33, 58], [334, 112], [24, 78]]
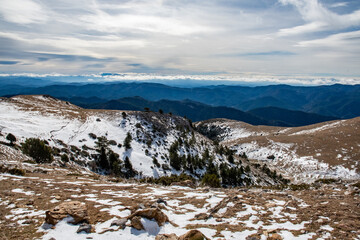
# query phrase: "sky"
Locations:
[[181, 37]]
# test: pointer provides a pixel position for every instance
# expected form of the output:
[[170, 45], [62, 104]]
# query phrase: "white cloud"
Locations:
[[319, 18], [340, 4], [23, 11], [104, 22], [339, 40]]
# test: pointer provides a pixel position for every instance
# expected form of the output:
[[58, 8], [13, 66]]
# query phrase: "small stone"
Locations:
[[84, 227], [160, 200], [136, 223], [119, 222], [275, 236]]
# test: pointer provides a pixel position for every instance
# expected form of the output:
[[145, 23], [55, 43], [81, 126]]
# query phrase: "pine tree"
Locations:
[[127, 141]]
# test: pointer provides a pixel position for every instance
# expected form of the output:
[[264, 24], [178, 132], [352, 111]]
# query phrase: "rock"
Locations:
[[193, 235], [166, 237], [119, 222], [136, 223], [160, 200], [270, 205], [186, 183], [28, 221], [75, 209], [84, 227], [201, 216], [274, 236], [252, 238], [151, 213], [30, 202]]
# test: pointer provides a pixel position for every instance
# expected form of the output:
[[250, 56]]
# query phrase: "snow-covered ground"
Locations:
[[230, 213]]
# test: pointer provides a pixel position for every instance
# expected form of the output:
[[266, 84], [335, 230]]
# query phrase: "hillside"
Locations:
[[124, 143], [324, 150]]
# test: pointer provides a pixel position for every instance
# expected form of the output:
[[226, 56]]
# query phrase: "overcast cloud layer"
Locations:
[[311, 37]]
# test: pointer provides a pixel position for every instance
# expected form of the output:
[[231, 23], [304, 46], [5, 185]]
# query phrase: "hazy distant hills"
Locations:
[[198, 111], [339, 101]]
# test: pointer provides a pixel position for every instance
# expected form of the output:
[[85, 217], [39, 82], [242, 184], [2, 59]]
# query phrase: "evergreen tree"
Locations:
[[130, 172], [127, 141]]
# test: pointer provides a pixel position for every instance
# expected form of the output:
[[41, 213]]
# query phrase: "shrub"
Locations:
[[64, 158], [11, 138], [127, 141], [112, 142], [155, 162], [92, 136], [168, 180], [211, 180], [130, 172], [123, 115], [37, 149], [12, 171], [326, 180]]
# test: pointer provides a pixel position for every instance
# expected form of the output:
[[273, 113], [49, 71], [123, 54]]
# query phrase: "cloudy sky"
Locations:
[[290, 37]]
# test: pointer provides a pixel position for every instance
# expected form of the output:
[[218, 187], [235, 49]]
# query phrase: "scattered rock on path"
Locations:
[[275, 236], [136, 223], [119, 222], [84, 227]]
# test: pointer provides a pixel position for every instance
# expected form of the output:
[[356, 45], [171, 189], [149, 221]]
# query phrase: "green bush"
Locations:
[[11, 138], [168, 180], [127, 141], [64, 158], [211, 180], [37, 149]]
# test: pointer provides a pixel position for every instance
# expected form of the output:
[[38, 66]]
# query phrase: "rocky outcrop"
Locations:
[[75, 209]]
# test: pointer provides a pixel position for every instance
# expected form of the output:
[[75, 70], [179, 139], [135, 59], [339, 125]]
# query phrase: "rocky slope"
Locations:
[[324, 150], [160, 144]]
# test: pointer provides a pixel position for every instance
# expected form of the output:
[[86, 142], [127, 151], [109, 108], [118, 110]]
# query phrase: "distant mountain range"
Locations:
[[338, 101], [198, 111]]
